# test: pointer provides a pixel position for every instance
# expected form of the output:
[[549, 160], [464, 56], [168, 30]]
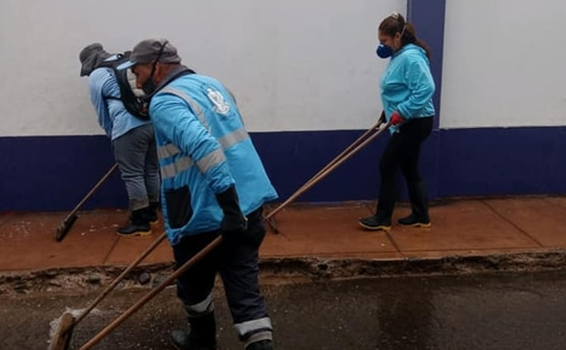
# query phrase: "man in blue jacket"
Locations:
[[213, 183], [133, 140]]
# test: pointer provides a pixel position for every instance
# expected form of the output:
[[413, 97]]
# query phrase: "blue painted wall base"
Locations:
[[54, 173]]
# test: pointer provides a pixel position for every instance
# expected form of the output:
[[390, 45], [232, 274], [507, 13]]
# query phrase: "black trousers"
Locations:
[[236, 259], [402, 152]]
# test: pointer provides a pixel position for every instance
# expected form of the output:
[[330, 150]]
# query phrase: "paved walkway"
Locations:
[[462, 228]]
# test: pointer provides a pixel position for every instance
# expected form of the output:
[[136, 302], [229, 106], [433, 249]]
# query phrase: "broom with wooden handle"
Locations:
[[70, 219]]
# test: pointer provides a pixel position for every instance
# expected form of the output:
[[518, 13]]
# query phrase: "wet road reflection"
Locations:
[[497, 311]]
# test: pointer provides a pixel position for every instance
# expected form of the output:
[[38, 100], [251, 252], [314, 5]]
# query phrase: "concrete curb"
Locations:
[[286, 270], [333, 268]]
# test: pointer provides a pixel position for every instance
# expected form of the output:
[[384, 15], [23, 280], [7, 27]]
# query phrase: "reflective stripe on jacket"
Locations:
[[203, 149]]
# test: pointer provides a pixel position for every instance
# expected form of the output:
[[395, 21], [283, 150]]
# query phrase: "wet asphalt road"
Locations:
[[497, 311]]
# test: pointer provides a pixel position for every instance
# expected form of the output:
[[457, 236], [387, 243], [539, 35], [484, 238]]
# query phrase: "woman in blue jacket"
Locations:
[[406, 94]]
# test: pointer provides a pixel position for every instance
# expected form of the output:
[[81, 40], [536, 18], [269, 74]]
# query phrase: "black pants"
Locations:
[[402, 152], [236, 259]]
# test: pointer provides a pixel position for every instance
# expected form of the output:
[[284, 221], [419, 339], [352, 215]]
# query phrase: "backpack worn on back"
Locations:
[[136, 105]]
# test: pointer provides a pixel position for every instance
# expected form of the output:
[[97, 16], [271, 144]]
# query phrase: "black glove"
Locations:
[[234, 219]]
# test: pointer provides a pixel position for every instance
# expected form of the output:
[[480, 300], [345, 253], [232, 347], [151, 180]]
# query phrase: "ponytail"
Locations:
[[410, 37]]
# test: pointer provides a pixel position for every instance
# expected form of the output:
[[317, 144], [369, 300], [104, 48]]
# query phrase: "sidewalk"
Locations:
[[460, 228]]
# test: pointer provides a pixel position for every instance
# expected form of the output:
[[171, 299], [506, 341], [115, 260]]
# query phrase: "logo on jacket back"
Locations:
[[220, 105]]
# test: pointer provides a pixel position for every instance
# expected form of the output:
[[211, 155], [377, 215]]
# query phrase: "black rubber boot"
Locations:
[[138, 224], [153, 207], [201, 336], [375, 223], [261, 345], [385, 205], [419, 207]]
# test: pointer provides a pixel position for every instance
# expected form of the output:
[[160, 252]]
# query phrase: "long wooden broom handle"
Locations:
[[118, 280], [91, 192], [328, 169], [152, 293], [343, 153]]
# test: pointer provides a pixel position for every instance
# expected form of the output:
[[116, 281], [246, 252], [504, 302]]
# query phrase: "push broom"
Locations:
[[62, 338], [67, 322], [70, 219]]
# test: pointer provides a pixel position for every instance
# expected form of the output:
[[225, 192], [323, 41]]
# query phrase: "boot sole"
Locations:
[[418, 224], [135, 234], [375, 228], [172, 342]]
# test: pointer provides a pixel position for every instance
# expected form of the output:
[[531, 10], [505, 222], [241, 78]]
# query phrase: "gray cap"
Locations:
[[150, 50], [90, 58]]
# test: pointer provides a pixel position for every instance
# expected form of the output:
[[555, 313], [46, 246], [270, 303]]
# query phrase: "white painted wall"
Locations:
[[504, 64], [293, 65]]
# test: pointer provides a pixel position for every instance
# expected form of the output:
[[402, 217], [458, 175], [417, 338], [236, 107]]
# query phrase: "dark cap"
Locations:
[[90, 57], [150, 50]]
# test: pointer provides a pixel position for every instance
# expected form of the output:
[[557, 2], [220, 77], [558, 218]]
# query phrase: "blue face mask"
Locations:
[[384, 51]]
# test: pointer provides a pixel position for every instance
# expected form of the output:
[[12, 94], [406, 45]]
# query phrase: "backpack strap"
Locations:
[[112, 64]]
